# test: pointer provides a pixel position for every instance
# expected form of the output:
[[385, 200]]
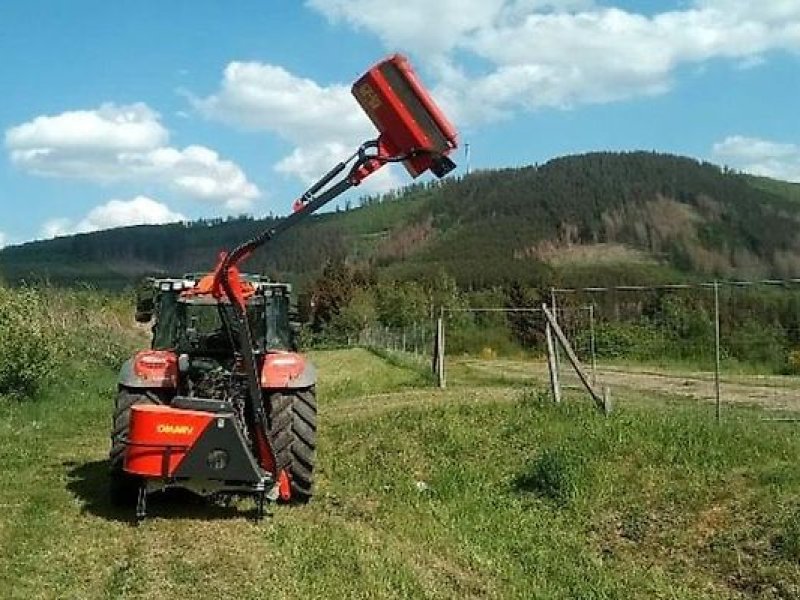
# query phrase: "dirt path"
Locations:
[[769, 391]]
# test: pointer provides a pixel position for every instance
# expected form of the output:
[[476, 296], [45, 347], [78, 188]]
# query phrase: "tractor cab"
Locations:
[[194, 324]]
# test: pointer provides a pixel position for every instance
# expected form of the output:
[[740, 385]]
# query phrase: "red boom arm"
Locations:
[[412, 130]]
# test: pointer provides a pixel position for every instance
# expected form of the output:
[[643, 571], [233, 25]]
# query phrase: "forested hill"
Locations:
[[621, 217]]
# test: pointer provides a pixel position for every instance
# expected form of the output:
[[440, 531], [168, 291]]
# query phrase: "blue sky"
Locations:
[[121, 113]]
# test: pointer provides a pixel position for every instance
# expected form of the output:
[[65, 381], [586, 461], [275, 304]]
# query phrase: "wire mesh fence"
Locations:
[[507, 345], [416, 338], [411, 345], [647, 344], [730, 343], [726, 343]]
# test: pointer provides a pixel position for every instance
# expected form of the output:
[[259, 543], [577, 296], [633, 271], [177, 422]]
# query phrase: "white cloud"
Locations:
[[140, 210], [771, 11], [311, 161], [433, 27], [269, 98], [760, 157], [57, 227], [488, 59], [532, 54], [3, 239], [125, 143], [428, 27], [323, 123], [110, 127]]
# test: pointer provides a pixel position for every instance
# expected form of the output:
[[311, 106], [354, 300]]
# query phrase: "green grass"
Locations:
[[785, 189], [470, 492], [352, 374]]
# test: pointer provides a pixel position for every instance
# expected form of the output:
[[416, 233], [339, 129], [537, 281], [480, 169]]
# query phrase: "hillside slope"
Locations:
[[618, 216]]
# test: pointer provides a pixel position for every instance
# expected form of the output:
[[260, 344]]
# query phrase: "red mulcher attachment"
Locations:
[[409, 121], [201, 447]]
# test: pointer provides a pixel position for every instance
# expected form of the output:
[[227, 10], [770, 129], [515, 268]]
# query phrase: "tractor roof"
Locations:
[[190, 280]]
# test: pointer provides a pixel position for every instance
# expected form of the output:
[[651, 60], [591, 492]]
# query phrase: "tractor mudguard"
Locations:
[[150, 369], [287, 370]]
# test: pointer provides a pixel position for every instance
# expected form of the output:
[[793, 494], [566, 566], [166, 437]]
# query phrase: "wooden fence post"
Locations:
[[552, 367], [440, 375], [607, 405], [572, 357]]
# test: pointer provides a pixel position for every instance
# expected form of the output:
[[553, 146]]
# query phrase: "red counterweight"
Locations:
[[159, 437], [406, 116]]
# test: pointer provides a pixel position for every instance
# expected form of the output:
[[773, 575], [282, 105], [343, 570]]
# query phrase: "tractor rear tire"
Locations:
[[293, 432], [123, 487]]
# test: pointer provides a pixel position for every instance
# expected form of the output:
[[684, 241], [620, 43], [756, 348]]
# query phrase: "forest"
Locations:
[[590, 219], [503, 238]]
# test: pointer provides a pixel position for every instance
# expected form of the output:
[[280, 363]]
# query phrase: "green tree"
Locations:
[[526, 327], [401, 304], [330, 293], [355, 317]]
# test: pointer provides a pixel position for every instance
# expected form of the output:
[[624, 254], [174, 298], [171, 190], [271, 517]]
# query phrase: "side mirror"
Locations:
[[295, 329]]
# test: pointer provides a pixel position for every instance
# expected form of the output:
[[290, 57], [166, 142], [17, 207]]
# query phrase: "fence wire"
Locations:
[[733, 343], [736, 343], [728, 343], [414, 339]]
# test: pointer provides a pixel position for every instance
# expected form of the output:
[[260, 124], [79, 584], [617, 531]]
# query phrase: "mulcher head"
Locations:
[[409, 121]]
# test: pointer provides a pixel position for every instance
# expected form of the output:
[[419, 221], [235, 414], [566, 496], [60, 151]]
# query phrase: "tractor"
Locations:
[[222, 404], [192, 365]]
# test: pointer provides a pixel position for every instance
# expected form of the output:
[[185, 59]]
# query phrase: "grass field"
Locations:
[[483, 490]]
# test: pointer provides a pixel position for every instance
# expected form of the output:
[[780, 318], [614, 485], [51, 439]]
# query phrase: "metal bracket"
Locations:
[[141, 504]]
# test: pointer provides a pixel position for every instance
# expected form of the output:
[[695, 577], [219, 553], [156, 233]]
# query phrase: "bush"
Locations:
[[757, 343], [28, 350], [466, 337], [793, 363], [488, 353], [46, 330], [622, 341]]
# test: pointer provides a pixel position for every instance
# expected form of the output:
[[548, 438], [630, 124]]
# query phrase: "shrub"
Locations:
[[757, 343], [45, 330], [29, 351], [793, 363], [467, 337], [488, 353], [622, 340]]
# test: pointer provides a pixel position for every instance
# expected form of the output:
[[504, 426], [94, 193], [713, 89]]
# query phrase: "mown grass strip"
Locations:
[[475, 492]]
